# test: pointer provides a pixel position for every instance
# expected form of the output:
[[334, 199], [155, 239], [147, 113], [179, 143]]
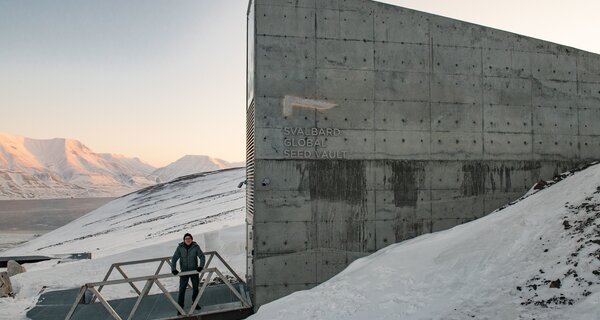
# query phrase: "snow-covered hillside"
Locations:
[[63, 168], [191, 164], [537, 259], [146, 224]]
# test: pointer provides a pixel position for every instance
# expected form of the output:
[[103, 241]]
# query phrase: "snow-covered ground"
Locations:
[[146, 224], [537, 259]]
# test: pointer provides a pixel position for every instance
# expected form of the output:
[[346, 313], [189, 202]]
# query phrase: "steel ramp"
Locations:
[[56, 305], [221, 296]]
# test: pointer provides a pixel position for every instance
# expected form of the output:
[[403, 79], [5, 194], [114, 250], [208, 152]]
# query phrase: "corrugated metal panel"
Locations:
[[250, 159], [250, 138]]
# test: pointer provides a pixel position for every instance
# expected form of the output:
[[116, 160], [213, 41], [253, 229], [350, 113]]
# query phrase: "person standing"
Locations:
[[188, 252]]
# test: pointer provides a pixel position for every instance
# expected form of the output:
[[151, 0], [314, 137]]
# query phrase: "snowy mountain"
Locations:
[[145, 224], [536, 259], [60, 168], [191, 164]]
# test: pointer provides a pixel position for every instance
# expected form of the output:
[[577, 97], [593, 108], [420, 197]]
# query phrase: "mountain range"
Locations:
[[66, 168]]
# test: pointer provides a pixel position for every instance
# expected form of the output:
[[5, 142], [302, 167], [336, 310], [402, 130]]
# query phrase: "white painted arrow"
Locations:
[[290, 102]]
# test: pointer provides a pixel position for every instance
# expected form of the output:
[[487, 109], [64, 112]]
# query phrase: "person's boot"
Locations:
[[198, 307]]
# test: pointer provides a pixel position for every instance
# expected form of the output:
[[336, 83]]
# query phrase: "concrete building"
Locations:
[[369, 124]]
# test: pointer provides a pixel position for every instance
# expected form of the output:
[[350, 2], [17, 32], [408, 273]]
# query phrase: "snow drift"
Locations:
[[536, 259]]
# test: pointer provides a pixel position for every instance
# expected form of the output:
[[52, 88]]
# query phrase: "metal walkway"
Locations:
[[220, 297]]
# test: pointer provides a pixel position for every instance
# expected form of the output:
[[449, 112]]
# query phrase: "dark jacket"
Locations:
[[188, 257]]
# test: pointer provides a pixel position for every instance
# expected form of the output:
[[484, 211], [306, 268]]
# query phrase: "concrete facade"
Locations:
[[437, 122]]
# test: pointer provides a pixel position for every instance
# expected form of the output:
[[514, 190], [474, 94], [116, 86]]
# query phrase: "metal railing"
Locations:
[[154, 279]]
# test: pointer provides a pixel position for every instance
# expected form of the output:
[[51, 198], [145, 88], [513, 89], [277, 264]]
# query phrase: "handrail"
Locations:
[[154, 279], [162, 260]]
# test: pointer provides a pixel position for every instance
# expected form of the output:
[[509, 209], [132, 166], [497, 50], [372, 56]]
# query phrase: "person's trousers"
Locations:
[[183, 281]]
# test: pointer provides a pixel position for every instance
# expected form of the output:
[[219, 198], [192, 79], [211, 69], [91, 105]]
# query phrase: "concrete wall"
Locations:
[[438, 121]]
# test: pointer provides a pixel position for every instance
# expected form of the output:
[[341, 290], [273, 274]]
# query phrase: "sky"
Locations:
[[161, 79]]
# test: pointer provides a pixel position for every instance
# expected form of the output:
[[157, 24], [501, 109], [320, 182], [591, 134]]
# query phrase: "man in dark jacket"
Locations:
[[188, 252]]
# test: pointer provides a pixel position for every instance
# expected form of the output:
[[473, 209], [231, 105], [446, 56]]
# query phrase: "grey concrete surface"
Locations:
[[439, 122]]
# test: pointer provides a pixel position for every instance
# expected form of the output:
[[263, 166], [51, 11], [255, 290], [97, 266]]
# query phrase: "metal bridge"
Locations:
[[221, 296]]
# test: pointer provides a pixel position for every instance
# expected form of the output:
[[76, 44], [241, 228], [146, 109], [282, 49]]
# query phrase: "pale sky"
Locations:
[[159, 79]]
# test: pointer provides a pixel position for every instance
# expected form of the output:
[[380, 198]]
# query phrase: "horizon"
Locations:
[[155, 80]]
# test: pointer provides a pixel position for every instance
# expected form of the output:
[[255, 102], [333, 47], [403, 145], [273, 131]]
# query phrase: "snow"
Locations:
[[65, 168], [146, 224], [498, 267], [190, 164]]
